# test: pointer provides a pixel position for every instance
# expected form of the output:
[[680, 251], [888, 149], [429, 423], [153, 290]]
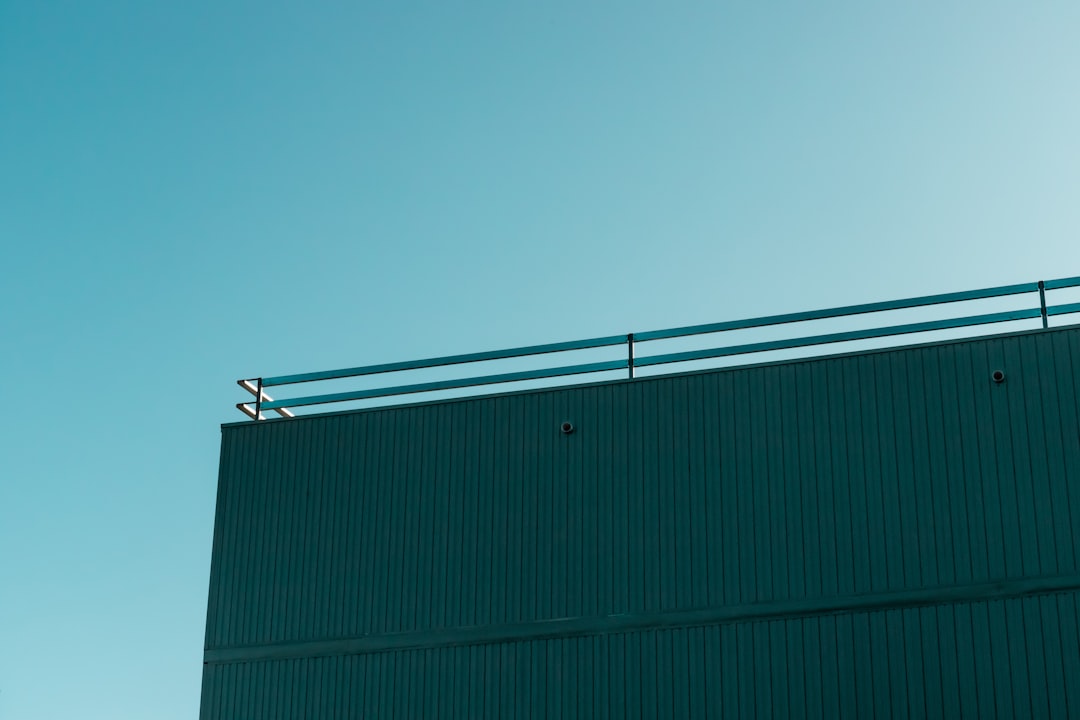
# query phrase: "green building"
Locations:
[[885, 533]]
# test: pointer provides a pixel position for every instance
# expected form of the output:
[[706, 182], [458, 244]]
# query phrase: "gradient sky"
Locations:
[[195, 192]]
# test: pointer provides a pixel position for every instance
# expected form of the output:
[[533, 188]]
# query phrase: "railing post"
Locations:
[[258, 401], [1042, 303], [630, 354]]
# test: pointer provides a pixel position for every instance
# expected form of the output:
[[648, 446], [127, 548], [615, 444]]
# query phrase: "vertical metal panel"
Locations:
[[898, 470]]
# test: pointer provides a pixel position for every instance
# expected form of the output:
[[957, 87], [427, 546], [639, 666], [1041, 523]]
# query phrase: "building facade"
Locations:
[[891, 533]]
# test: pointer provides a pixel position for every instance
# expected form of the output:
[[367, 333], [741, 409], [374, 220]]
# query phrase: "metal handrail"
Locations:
[[256, 386]]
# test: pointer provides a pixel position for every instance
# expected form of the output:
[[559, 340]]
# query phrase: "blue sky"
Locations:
[[191, 193]]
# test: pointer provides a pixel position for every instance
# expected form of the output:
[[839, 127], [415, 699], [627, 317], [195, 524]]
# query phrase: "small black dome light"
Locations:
[[998, 376], [567, 427]]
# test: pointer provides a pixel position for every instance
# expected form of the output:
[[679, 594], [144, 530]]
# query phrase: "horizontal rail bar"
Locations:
[[836, 337], [448, 384], [448, 360], [1063, 309], [837, 312], [249, 410], [1062, 283]]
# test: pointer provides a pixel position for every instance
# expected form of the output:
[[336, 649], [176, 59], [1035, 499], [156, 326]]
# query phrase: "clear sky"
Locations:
[[195, 192]]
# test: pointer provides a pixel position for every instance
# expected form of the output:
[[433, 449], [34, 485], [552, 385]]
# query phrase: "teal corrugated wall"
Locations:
[[882, 534]]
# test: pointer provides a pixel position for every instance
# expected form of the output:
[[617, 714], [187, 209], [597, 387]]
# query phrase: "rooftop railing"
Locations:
[[630, 361]]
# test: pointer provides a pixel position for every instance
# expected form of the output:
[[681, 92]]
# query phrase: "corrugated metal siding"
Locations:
[[1001, 659], [902, 469]]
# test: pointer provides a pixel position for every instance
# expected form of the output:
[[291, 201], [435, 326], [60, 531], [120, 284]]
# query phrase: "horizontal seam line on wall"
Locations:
[[607, 624]]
